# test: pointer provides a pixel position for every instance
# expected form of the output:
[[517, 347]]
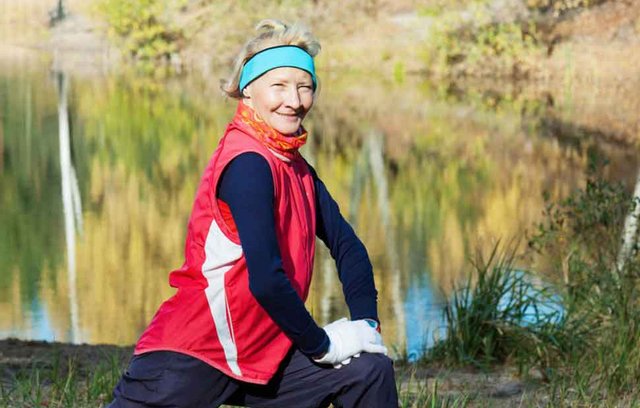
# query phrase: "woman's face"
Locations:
[[281, 97]]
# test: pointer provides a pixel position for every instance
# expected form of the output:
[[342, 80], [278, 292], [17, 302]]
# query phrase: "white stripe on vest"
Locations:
[[220, 255]]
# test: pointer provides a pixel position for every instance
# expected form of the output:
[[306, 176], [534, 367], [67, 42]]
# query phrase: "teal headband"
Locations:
[[276, 57]]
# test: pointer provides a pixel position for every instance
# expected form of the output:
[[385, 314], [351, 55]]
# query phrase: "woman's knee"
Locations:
[[371, 382], [374, 367]]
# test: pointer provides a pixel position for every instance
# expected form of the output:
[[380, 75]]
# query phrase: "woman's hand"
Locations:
[[349, 339]]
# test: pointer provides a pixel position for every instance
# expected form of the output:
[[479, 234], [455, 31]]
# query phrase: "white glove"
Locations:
[[349, 339]]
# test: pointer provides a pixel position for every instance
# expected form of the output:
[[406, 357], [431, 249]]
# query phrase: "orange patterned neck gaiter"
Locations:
[[284, 145]]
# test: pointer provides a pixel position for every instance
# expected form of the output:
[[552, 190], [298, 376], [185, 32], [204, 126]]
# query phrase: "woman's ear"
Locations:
[[246, 92], [246, 96]]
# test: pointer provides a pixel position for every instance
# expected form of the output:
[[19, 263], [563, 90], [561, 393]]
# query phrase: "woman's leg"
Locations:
[[169, 379], [368, 381]]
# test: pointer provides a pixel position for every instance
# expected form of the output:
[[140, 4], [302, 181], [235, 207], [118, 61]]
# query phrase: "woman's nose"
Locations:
[[293, 98]]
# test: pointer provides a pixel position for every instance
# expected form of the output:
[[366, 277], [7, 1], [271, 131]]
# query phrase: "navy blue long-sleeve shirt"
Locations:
[[246, 185]]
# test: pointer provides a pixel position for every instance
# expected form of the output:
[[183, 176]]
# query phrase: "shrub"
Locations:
[[143, 26], [581, 237], [471, 42]]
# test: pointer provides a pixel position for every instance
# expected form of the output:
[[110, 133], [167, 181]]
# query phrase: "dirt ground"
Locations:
[[500, 387]]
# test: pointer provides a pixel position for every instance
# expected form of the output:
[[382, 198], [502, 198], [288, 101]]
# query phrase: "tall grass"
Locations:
[[500, 315]]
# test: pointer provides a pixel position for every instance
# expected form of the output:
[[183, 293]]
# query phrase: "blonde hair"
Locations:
[[271, 33]]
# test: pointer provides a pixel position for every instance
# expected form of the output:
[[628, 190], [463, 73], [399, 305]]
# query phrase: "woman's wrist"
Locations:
[[321, 355], [373, 323]]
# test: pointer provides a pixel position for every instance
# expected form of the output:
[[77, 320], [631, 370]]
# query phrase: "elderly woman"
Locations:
[[237, 331]]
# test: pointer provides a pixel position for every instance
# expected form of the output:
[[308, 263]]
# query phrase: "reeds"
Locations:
[[500, 315]]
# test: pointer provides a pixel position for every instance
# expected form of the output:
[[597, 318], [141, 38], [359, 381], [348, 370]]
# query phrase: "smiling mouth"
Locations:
[[289, 116]]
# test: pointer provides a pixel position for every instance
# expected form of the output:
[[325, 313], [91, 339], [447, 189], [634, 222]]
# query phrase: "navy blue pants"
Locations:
[[169, 379]]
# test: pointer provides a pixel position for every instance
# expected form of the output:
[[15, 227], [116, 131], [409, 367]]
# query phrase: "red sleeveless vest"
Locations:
[[213, 316]]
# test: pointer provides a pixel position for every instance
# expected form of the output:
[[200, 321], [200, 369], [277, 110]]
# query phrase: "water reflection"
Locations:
[[71, 203], [426, 323], [30, 205], [425, 175]]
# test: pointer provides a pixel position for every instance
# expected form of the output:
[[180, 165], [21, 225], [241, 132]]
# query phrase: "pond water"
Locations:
[[92, 223]]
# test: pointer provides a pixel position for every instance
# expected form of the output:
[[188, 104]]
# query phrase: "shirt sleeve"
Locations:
[[246, 186], [351, 257]]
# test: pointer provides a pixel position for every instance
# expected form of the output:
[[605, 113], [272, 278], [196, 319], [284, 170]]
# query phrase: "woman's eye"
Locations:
[[278, 84]]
